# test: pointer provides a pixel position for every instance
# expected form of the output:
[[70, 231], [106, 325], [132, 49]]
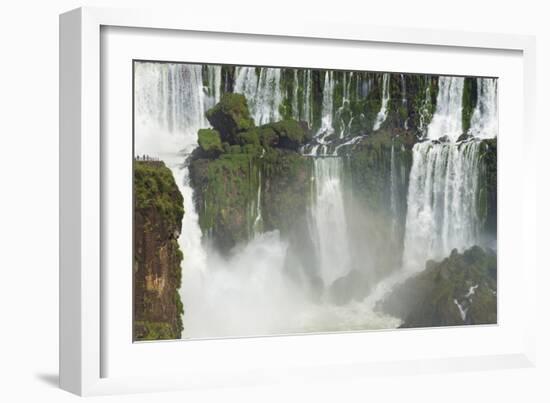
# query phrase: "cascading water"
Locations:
[[214, 74], [329, 220], [404, 98], [246, 82], [263, 92], [230, 296], [345, 127], [447, 119], [327, 107], [484, 122], [425, 112], [307, 113], [383, 113], [169, 106], [442, 201], [444, 180]]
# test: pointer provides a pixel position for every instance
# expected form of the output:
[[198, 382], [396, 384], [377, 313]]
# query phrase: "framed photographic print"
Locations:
[[222, 183]]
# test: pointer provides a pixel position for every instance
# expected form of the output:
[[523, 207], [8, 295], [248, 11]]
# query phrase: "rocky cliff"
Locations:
[[248, 178], [158, 215], [459, 290]]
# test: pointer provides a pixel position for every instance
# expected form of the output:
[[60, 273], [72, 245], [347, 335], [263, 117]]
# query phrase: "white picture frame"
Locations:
[[83, 309]]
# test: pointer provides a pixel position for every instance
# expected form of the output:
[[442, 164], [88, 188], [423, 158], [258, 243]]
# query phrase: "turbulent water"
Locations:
[[251, 293]]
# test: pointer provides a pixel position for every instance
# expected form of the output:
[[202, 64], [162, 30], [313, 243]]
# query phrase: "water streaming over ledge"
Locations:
[[171, 100]]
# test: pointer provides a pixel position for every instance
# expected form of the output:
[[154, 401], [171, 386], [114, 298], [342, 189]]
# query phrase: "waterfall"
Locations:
[[447, 119], [307, 113], [169, 109], [345, 128], [214, 74], [295, 87], [443, 185], [169, 98], [425, 111], [484, 123], [257, 226], [393, 192], [383, 113], [404, 98], [263, 92], [327, 107], [246, 82], [442, 201], [329, 220]]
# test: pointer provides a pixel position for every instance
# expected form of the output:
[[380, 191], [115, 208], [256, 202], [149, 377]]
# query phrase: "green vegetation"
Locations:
[[227, 181], [210, 142], [158, 214], [155, 188], [230, 116]]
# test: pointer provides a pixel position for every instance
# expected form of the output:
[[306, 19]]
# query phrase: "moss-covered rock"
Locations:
[[459, 290], [230, 116], [224, 190], [291, 133], [210, 142], [370, 166], [249, 137], [286, 188], [158, 212]]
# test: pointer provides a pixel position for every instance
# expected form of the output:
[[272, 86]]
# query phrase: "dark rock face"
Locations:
[[459, 290], [157, 258]]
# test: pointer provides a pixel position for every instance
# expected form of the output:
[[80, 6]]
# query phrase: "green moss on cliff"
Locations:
[[210, 142], [158, 212], [230, 116], [155, 188], [224, 190], [287, 189]]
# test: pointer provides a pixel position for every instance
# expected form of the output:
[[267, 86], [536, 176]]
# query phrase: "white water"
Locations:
[[442, 200], [383, 113], [447, 119], [246, 83], [484, 123], [329, 220], [327, 107], [214, 85], [249, 293], [393, 191], [444, 179], [169, 131], [262, 92], [345, 127], [425, 115]]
